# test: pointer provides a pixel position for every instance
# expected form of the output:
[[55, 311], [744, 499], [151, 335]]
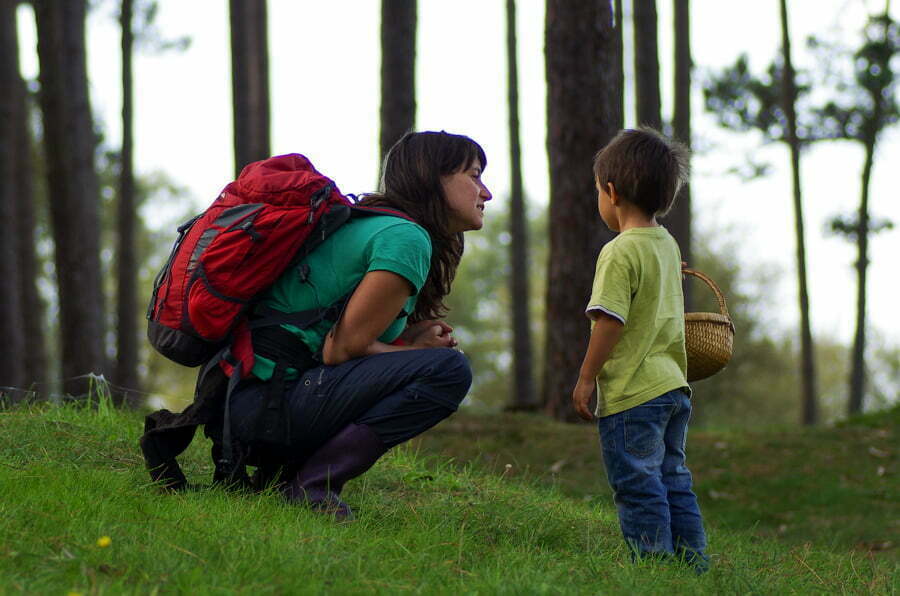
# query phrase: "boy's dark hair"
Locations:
[[645, 167]]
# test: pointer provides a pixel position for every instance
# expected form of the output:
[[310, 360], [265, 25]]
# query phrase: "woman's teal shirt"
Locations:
[[365, 243]]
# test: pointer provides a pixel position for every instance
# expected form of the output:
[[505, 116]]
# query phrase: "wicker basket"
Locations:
[[708, 336]]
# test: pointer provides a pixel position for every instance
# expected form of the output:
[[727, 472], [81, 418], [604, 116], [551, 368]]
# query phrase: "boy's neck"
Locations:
[[631, 216]]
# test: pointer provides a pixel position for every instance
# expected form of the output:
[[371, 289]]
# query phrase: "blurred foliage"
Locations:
[[884, 373], [760, 386], [862, 101], [148, 37], [861, 84], [742, 101], [480, 305], [847, 226]]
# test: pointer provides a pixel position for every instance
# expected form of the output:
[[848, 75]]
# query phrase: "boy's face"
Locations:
[[606, 208]]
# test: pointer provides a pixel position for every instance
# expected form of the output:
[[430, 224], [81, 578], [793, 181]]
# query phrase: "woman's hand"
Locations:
[[432, 333]]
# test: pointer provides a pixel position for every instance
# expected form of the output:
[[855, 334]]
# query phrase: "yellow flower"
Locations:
[[104, 541]]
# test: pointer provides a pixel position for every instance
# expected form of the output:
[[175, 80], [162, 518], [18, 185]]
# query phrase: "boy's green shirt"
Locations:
[[638, 281]]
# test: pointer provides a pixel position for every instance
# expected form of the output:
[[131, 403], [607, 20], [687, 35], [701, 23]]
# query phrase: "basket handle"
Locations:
[[712, 285]]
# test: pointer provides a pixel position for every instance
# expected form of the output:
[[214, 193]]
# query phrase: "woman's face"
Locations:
[[466, 195]]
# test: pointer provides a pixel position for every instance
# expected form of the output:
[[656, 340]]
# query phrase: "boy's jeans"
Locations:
[[643, 449]]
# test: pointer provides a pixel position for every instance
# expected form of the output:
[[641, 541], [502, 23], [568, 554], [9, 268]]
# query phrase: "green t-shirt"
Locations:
[[365, 243], [638, 281]]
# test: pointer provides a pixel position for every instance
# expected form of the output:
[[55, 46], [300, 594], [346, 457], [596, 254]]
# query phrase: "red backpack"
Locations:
[[236, 249]]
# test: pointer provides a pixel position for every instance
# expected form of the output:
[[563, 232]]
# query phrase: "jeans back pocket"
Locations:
[[645, 427]]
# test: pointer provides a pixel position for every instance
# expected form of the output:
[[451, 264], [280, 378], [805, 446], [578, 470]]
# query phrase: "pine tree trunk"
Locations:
[[810, 413], [646, 64], [250, 81], [126, 375], [11, 113], [398, 71], [34, 367], [679, 219], [580, 61], [523, 394], [618, 90], [70, 143], [858, 368]]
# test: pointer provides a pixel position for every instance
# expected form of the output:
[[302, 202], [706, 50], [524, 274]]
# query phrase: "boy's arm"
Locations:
[[605, 335]]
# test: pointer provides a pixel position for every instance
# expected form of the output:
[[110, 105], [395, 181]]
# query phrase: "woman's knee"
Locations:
[[447, 378], [453, 366]]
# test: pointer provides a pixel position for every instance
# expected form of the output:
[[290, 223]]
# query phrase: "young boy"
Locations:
[[636, 356]]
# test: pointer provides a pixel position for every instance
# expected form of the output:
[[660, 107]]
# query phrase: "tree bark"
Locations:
[[882, 103], [12, 111], [249, 81], [581, 118], [618, 90], [34, 367], [646, 64], [69, 143], [126, 375], [858, 368], [678, 221], [810, 413], [398, 71], [523, 394]]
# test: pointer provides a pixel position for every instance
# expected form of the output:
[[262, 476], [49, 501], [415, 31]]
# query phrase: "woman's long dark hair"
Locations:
[[411, 183]]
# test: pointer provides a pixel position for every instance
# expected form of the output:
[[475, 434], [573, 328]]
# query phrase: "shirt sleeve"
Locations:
[[612, 289], [404, 249]]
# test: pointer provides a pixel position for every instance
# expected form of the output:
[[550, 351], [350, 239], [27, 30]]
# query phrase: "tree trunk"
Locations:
[[858, 369], [126, 375], [580, 61], [12, 111], [807, 367], [34, 367], [249, 81], [398, 71], [679, 219], [618, 90], [646, 64], [523, 394], [69, 142]]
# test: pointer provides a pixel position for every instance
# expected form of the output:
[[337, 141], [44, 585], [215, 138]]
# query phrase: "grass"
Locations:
[[835, 487], [427, 523]]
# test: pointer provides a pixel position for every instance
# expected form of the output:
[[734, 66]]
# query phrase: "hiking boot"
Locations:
[[274, 476], [346, 455]]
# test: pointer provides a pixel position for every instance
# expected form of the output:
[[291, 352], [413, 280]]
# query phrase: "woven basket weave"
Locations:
[[708, 336]]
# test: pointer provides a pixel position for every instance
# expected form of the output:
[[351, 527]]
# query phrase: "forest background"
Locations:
[[324, 79]]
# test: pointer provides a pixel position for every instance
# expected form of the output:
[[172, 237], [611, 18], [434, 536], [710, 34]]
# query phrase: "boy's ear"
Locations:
[[611, 191]]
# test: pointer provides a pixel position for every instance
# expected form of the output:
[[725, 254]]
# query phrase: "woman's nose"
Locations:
[[485, 193]]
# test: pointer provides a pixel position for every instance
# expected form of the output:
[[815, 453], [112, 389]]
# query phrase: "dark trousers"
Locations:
[[398, 395]]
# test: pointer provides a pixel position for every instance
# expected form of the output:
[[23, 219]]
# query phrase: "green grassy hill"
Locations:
[[834, 487], [433, 524]]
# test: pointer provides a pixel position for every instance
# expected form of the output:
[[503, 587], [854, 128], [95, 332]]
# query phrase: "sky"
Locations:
[[324, 84]]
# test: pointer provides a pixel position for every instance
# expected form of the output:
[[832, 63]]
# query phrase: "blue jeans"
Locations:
[[644, 454]]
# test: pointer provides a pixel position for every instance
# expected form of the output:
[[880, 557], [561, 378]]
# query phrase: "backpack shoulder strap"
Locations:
[[358, 209]]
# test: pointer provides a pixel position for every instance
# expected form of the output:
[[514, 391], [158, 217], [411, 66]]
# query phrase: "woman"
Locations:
[[385, 377]]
